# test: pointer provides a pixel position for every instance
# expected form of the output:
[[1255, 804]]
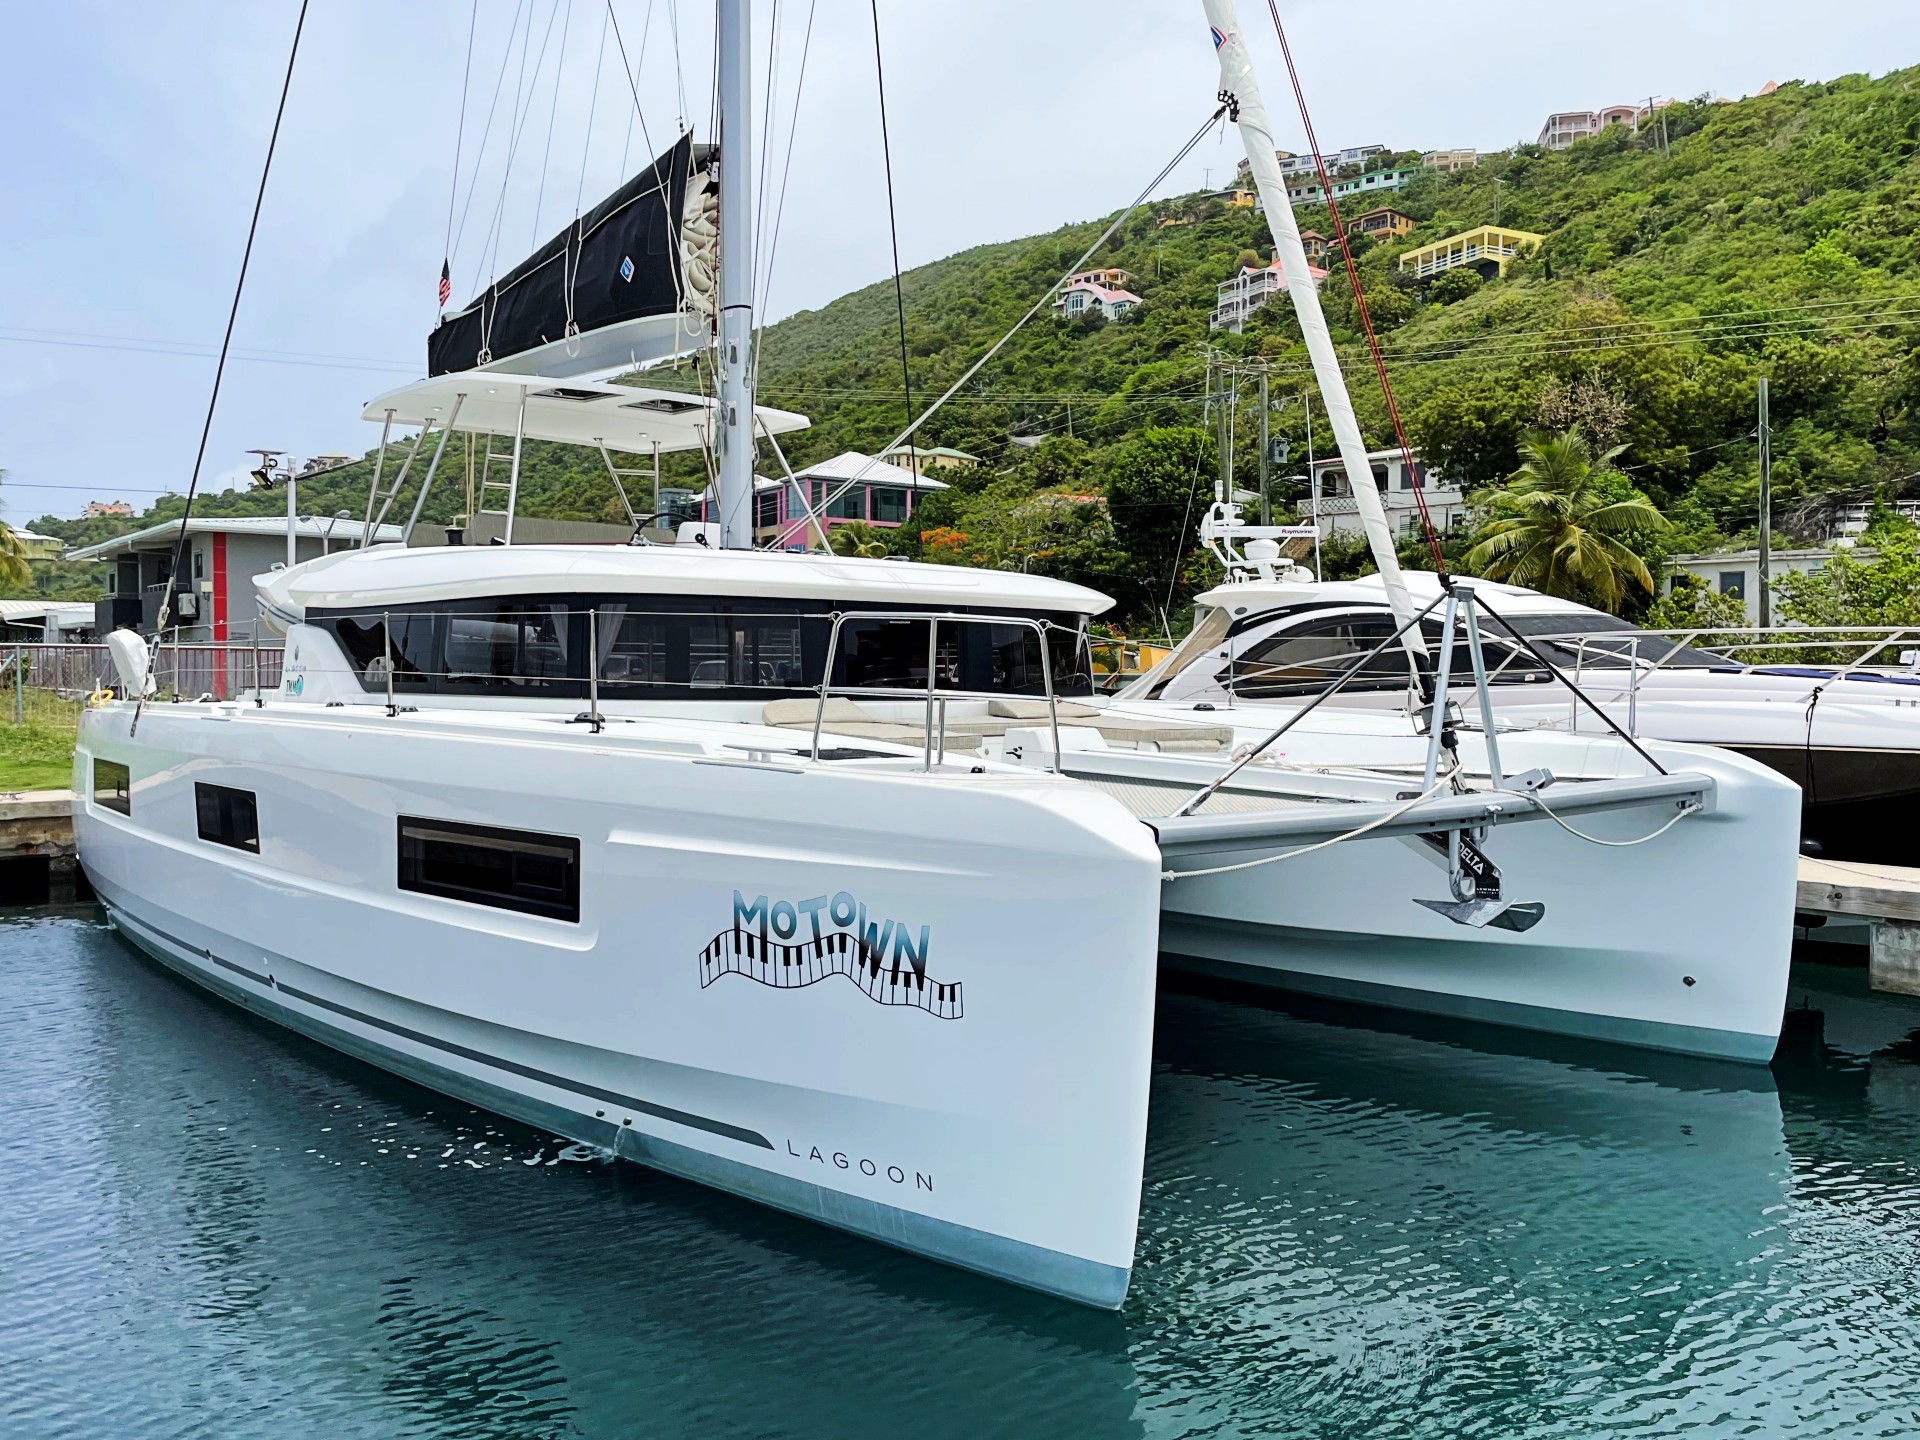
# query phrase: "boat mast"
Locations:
[[1242, 92], [733, 420]]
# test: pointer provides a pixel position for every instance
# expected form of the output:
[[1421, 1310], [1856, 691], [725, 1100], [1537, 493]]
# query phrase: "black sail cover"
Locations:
[[619, 261]]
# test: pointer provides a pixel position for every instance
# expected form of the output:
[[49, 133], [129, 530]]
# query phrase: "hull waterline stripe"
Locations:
[[480, 1057]]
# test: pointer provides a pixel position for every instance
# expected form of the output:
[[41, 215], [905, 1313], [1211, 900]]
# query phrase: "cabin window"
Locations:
[[506, 647], [689, 647], [227, 816], [112, 786], [521, 870], [411, 653]]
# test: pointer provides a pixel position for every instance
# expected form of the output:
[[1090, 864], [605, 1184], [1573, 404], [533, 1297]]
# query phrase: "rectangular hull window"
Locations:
[[227, 816], [482, 865], [112, 786]]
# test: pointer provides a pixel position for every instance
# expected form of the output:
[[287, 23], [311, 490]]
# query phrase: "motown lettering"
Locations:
[[791, 944]]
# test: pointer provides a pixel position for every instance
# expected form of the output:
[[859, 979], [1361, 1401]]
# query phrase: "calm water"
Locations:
[[208, 1227]]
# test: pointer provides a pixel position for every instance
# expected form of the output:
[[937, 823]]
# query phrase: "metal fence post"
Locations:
[[19, 690]]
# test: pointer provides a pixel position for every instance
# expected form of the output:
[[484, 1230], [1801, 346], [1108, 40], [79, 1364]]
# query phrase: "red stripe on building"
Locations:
[[219, 586]]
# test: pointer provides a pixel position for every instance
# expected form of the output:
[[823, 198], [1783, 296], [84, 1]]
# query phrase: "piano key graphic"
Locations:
[[795, 965]]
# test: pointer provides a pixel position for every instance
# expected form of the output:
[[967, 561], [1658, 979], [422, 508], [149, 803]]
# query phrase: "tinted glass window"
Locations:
[[889, 503], [511, 646], [666, 646], [483, 865], [412, 652], [112, 786], [1305, 659], [227, 816], [1611, 642]]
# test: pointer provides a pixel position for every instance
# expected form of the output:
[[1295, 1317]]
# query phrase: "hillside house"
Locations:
[[1305, 190], [1090, 297], [880, 494], [1381, 223], [1489, 250], [1448, 162], [922, 458], [1562, 129], [96, 508], [1248, 291], [1338, 513], [1316, 245]]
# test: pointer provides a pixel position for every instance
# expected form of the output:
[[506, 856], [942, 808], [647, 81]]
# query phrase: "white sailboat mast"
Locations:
[[1239, 88], [733, 429]]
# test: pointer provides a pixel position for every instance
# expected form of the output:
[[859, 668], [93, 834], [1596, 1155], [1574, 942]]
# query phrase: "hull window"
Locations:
[[482, 865], [112, 786], [227, 816]]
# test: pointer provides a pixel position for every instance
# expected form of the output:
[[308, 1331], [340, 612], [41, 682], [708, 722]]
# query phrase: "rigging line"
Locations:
[[633, 84], [553, 109], [593, 104], [998, 345], [1359, 295], [233, 313], [786, 172], [893, 227], [1354, 834], [460, 132], [498, 230], [486, 131], [679, 66]]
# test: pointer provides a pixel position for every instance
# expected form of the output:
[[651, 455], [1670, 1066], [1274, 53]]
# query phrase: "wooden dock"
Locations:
[[1886, 898]]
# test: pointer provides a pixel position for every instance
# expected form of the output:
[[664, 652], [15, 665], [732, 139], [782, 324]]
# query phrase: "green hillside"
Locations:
[[1776, 236]]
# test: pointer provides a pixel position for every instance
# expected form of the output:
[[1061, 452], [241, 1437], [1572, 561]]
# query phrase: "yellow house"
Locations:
[[1487, 249]]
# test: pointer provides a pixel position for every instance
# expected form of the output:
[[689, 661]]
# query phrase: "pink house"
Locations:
[[848, 487]]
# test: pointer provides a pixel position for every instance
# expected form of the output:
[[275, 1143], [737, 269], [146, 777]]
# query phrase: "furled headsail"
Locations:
[[628, 283]]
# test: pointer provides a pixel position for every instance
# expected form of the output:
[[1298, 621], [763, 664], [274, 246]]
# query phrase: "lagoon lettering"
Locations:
[[785, 919], [840, 1160]]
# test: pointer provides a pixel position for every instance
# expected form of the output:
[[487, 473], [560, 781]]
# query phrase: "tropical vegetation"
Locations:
[[1776, 236]]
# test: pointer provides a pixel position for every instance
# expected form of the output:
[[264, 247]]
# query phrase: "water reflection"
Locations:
[[1348, 1229]]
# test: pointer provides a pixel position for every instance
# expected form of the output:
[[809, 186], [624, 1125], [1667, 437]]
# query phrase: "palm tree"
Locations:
[[1554, 527], [15, 573]]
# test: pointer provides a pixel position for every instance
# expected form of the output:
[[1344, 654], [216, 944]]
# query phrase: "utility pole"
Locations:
[[1765, 567], [1266, 504]]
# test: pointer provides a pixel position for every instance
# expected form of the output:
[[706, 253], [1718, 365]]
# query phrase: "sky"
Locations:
[[134, 135]]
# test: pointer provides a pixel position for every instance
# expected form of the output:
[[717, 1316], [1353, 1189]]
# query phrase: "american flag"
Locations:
[[446, 284]]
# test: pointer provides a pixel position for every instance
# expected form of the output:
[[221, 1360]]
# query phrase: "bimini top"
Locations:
[[1422, 585], [398, 576], [569, 412]]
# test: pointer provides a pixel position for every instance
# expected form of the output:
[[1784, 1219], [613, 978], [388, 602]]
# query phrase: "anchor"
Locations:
[[1475, 882]]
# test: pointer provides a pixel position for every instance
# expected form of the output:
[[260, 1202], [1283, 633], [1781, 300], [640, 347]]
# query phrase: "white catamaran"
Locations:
[[828, 881]]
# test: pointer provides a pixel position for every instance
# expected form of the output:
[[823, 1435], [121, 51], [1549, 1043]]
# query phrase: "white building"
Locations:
[[1292, 164], [1339, 513], [1737, 572], [1853, 519], [1081, 296], [1248, 291]]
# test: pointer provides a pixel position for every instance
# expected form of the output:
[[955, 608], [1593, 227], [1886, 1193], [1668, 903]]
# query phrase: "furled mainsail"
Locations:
[[643, 252]]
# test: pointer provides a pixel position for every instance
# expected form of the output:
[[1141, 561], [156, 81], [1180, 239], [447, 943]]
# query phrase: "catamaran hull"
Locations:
[[1679, 944], [967, 1123]]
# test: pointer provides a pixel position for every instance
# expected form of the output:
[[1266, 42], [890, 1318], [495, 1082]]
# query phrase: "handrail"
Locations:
[[934, 620]]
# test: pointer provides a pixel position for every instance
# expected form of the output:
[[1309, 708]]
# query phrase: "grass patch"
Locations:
[[38, 755]]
